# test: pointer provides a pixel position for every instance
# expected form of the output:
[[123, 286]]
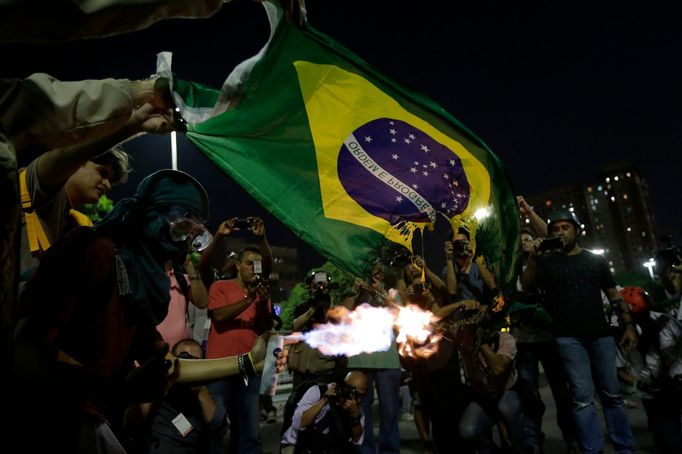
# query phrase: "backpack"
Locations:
[[295, 397]]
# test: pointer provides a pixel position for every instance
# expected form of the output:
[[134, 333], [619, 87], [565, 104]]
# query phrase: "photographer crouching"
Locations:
[[328, 418], [304, 361]]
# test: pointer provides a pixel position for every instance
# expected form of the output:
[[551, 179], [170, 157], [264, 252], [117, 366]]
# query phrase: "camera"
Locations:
[[668, 256], [320, 284], [261, 281], [401, 257], [345, 391], [551, 244], [243, 223], [460, 247]]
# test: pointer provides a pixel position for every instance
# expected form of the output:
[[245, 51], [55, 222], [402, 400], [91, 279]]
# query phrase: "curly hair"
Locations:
[[119, 161]]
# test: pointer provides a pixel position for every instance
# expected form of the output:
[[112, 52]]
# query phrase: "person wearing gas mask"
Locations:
[[572, 281], [306, 362], [240, 311], [86, 344]]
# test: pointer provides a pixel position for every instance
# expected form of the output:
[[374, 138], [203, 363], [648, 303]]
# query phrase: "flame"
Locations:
[[416, 337], [369, 329]]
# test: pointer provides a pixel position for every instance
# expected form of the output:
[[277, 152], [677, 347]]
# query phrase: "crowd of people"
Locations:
[[119, 342]]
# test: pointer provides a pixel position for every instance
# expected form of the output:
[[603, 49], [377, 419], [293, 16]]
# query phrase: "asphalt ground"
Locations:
[[409, 437]]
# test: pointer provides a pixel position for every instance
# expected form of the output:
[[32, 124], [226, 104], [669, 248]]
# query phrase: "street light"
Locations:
[[174, 151], [650, 264]]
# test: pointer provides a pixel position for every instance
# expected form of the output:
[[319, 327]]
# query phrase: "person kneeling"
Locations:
[[328, 421]]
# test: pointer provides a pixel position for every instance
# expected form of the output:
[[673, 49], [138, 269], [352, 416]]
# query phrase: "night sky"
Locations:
[[555, 91]]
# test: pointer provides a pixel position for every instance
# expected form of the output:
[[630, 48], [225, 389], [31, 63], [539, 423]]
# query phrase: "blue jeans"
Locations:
[[243, 410], [588, 362], [387, 382], [529, 356], [477, 421]]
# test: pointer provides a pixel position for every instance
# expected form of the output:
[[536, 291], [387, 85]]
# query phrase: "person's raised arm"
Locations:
[[450, 274], [206, 259], [56, 166], [198, 293], [257, 229], [536, 221], [488, 277]]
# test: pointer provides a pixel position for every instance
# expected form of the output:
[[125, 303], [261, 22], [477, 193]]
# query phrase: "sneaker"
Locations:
[[629, 404], [272, 417], [407, 417]]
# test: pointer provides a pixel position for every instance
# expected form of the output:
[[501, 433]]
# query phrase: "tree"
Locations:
[[97, 211]]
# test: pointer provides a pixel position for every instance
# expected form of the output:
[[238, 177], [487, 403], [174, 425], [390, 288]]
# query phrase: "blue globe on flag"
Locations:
[[399, 173]]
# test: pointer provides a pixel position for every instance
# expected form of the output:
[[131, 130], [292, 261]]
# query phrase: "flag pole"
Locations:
[[174, 150]]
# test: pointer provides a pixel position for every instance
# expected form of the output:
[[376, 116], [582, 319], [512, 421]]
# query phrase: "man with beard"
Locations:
[[572, 281]]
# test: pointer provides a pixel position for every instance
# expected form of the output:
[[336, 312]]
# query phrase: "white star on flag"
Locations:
[[425, 148], [395, 156], [368, 139], [393, 140], [433, 164], [412, 136], [392, 131], [398, 199], [407, 141], [413, 170], [452, 162], [425, 173], [446, 176]]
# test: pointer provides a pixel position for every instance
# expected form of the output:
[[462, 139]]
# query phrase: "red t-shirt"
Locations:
[[238, 334]]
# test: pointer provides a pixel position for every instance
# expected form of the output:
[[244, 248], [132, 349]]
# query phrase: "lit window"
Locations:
[[613, 199], [615, 178]]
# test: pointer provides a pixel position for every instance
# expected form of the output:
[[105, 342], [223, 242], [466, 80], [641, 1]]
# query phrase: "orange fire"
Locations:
[[370, 329]]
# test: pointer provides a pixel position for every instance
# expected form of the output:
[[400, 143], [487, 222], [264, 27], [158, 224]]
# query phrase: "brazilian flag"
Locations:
[[347, 158]]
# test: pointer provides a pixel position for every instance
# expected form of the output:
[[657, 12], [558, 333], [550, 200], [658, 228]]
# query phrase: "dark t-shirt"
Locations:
[[572, 286]]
